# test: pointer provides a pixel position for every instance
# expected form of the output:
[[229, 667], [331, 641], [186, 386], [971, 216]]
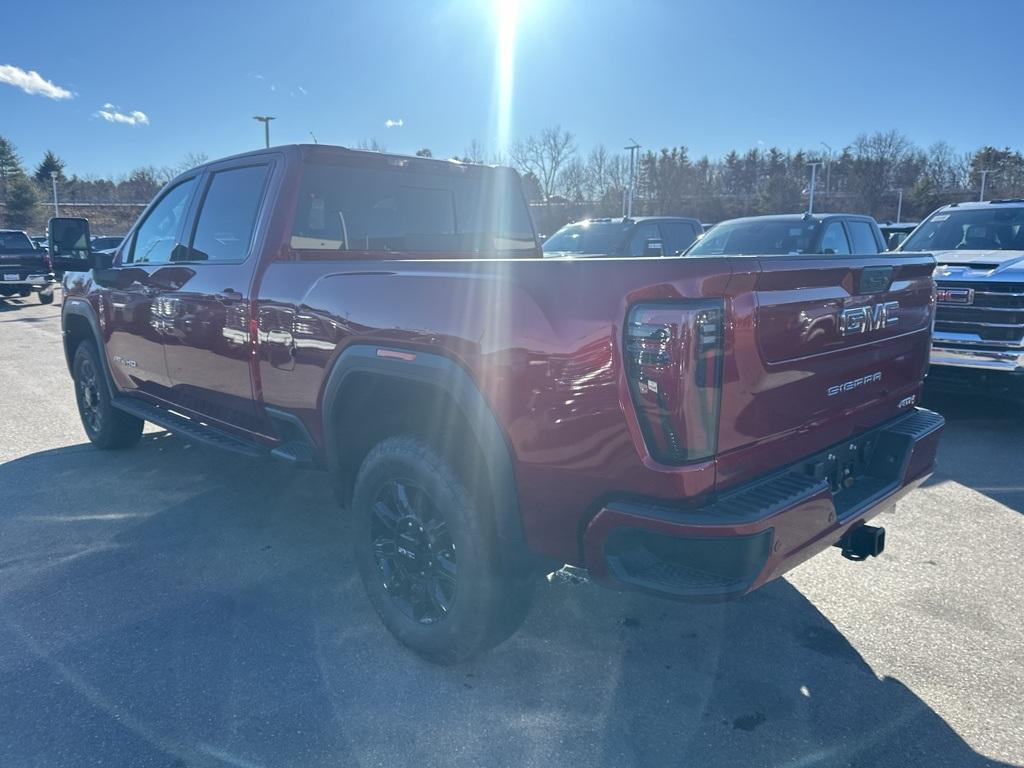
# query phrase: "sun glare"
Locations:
[[507, 15]]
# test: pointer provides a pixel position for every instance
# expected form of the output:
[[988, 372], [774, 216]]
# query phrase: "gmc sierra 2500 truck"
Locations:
[[689, 427]]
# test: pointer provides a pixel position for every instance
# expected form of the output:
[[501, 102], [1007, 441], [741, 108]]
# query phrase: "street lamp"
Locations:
[[984, 178], [53, 181], [828, 169], [899, 204], [634, 164], [814, 176], [265, 119]]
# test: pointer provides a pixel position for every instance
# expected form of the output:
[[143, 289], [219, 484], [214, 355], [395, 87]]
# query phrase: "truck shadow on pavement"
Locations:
[[980, 433], [170, 606]]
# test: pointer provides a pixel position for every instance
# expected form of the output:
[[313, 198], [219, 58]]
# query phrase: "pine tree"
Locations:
[[49, 163], [21, 203]]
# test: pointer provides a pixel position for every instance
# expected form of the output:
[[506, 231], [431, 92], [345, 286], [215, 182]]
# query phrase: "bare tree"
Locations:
[[545, 156], [371, 146]]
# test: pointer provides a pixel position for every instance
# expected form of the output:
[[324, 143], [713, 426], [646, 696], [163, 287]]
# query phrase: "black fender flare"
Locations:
[[82, 308], [452, 379]]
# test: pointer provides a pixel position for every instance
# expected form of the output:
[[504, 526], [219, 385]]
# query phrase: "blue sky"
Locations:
[[710, 74]]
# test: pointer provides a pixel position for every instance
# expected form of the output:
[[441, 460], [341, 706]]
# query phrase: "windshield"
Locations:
[[11, 242], [599, 237], [979, 229], [757, 236]]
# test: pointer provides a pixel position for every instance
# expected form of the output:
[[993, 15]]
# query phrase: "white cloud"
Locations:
[[389, 123], [32, 82], [112, 114], [303, 91]]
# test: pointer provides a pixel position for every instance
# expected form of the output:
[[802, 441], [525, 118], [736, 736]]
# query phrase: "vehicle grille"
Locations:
[[996, 316]]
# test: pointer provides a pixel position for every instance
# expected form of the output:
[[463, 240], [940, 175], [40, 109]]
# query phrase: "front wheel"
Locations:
[[428, 556], [105, 426], [46, 298]]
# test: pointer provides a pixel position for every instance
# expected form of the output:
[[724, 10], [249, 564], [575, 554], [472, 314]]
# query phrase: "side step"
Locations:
[[188, 428]]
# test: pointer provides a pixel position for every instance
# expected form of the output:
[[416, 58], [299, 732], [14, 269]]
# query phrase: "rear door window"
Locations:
[[834, 239], [863, 236], [227, 215]]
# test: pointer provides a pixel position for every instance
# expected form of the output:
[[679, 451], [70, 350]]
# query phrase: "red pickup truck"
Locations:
[[692, 427]]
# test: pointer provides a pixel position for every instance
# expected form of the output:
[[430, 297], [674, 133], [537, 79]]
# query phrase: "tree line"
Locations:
[[874, 174], [27, 192]]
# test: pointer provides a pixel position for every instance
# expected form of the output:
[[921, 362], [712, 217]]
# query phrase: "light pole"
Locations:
[[265, 119], [53, 181], [828, 170], [899, 205], [634, 152], [815, 165], [984, 178]]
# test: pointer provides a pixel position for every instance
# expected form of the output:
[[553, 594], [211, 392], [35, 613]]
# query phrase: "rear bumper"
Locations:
[[39, 282], [755, 533]]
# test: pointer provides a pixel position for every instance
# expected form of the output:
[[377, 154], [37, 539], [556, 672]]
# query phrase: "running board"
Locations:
[[188, 428]]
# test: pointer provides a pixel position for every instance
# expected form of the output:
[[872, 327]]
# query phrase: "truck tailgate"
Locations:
[[818, 349]]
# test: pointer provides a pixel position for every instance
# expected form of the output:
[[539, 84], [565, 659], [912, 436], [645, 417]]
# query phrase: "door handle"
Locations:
[[228, 296], [280, 337]]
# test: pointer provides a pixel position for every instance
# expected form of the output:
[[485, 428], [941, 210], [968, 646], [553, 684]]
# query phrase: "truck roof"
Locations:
[[975, 204], [818, 217], [337, 150]]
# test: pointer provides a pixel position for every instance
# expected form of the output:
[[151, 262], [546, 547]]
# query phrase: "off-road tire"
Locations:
[[487, 603], [105, 426]]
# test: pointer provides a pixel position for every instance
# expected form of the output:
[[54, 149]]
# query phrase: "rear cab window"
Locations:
[[13, 241], [411, 207]]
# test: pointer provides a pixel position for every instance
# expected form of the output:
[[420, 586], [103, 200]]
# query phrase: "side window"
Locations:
[[638, 241], [227, 216], [157, 236], [863, 236], [678, 236], [834, 240]]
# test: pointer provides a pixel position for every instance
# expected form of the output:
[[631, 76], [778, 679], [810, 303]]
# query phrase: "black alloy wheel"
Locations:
[[414, 551]]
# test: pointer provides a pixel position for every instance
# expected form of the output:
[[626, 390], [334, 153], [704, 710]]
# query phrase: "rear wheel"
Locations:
[[428, 556], [45, 298], [24, 292], [106, 426]]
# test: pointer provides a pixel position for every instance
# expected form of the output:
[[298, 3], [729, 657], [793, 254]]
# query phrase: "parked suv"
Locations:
[[641, 236], [837, 234], [693, 428], [979, 323]]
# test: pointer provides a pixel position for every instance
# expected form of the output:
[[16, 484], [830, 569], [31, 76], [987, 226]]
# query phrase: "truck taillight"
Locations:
[[47, 261], [673, 358]]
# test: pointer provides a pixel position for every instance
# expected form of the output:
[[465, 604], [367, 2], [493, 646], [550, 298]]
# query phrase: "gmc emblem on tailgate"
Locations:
[[870, 318], [955, 295]]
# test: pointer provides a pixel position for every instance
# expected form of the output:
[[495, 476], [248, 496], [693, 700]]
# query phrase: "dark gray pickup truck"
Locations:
[[24, 267]]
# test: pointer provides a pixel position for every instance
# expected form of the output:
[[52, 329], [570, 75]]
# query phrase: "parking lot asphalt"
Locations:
[[172, 606]]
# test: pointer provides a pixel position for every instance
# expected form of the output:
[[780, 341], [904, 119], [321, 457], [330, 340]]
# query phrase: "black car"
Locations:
[[105, 243], [814, 233], [895, 232], [640, 236]]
